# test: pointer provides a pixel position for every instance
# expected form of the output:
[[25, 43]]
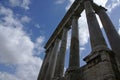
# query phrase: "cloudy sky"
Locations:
[[25, 27]]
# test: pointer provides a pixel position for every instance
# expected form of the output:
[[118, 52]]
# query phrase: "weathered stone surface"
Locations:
[[74, 50], [59, 70], [99, 68], [52, 62], [113, 36], [74, 46], [100, 63], [96, 36], [44, 67]]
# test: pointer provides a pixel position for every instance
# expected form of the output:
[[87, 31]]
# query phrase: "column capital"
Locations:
[[47, 50], [98, 8], [76, 15], [67, 28], [58, 38]]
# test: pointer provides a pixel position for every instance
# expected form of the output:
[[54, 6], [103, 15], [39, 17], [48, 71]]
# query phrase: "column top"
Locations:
[[97, 8], [65, 22], [76, 15]]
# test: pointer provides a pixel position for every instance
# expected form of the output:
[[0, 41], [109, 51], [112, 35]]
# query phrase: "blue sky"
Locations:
[[25, 27]]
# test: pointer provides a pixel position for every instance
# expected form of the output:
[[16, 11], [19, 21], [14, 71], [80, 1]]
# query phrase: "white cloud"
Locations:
[[119, 31], [99, 21], [119, 27], [7, 76], [5, 11], [69, 4], [113, 5], [9, 18], [101, 2], [29, 70], [14, 42], [59, 1], [25, 4], [82, 49], [20, 3], [15, 2], [37, 26], [68, 39], [25, 19], [17, 48], [83, 30], [39, 44]]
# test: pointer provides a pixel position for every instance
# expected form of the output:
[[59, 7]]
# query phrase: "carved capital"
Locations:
[[98, 8], [75, 16]]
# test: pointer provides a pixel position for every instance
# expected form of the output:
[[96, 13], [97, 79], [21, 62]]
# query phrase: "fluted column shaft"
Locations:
[[52, 62], [61, 56], [74, 46], [111, 33], [44, 67], [96, 37]]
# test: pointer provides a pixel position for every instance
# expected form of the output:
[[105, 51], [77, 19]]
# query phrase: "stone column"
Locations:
[[61, 56], [74, 62], [74, 47], [44, 65], [96, 37], [111, 33], [52, 62]]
